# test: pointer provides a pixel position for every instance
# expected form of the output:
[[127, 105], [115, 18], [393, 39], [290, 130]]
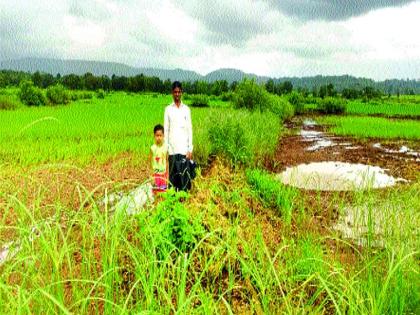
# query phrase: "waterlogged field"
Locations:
[[373, 127], [403, 108], [241, 243]]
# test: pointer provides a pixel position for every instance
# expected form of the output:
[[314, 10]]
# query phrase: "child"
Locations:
[[159, 160]]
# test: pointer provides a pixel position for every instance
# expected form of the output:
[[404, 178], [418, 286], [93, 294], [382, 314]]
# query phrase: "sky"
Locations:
[[277, 38]]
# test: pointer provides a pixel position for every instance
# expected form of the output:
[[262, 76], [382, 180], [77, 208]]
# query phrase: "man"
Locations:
[[178, 137]]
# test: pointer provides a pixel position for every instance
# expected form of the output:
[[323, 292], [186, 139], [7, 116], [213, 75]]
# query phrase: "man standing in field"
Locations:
[[178, 137]]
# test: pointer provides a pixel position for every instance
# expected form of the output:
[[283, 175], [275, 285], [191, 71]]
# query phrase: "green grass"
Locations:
[[372, 127], [101, 129], [387, 108], [85, 262]]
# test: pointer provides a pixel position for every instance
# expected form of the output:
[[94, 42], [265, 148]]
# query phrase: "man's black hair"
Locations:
[[176, 84], [157, 128]]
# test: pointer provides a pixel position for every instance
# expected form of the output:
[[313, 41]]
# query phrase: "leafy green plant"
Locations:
[[298, 102], [280, 106], [100, 94], [30, 94], [332, 105], [57, 94], [253, 96], [172, 227], [199, 100]]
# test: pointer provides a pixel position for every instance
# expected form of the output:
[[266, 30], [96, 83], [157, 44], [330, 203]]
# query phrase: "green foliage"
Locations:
[[228, 139], [332, 105], [7, 103], [31, 95], [280, 106], [272, 192], [310, 259], [100, 94], [250, 95], [172, 227], [199, 100], [373, 127], [226, 96], [57, 94], [298, 102]]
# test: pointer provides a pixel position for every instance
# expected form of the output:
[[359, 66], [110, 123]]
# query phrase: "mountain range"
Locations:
[[79, 67]]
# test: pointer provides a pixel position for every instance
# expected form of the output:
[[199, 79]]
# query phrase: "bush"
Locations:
[[31, 95], [331, 105], [228, 139], [7, 103], [281, 107], [57, 94], [172, 227], [226, 96], [250, 95], [199, 100], [298, 102], [100, 93]]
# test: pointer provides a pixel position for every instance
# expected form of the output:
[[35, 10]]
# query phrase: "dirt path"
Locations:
[[310, 142]]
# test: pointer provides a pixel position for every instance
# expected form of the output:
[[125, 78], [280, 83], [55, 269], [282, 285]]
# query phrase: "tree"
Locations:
[[30, 94]]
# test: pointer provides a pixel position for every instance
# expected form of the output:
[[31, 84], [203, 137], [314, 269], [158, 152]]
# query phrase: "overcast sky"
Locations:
[[376, 39]]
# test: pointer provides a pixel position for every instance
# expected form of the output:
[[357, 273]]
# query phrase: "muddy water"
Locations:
[[337, 176]]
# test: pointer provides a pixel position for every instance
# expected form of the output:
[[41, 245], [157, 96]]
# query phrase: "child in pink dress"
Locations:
[[159, 160]]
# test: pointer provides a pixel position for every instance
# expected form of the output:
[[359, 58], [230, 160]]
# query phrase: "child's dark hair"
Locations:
[[176, 84], [157, 128]]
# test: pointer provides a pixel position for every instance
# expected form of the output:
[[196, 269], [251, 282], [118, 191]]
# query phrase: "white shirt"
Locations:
[[178, 129]]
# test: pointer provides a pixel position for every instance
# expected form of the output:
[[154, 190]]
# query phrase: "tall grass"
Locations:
[[85, 261]]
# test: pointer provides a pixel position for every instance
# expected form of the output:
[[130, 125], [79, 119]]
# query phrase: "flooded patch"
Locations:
[[375, 224], [402, 150], [337, 176]]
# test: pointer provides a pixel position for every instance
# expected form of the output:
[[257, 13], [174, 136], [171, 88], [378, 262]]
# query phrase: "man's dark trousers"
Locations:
[[179, 176]]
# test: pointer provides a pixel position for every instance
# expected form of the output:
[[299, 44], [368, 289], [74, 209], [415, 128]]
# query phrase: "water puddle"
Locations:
[[375, 224], [336, 176], [403, 150]]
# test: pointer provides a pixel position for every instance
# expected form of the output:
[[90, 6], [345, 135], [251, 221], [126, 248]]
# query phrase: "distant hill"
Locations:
[[80, 67]]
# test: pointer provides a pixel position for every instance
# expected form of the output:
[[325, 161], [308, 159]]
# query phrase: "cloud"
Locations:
[[230, 22], [254, 36], [332, 10]]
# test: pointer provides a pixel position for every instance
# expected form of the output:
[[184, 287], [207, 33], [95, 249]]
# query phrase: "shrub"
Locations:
[[272, 192], [31, 95], [7, 103], [86, 95], [298, 102], [250, 95], [57, 94], [100, 93], [331, 105], [281, 107], [199, 100], [228, 139], [172, 227], [226, 96]]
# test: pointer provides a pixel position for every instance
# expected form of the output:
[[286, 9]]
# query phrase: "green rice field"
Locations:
[[240, 242]]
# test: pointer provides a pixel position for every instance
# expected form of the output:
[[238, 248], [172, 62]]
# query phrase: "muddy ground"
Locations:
[[292, 150]]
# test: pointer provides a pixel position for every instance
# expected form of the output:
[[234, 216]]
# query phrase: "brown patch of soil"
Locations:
[[291, 151]]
